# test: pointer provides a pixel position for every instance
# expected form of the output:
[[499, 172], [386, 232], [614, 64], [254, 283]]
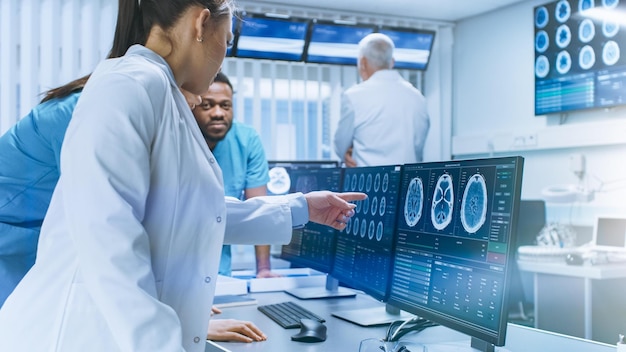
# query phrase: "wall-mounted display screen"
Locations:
[[332, 43], [579, 62], [271, 38], [412, 47]]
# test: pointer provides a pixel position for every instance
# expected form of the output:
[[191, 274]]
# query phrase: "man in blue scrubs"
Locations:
[[239, 152]]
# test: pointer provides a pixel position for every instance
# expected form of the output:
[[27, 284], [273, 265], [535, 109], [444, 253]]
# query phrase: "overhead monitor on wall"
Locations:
[[264, 37], [412, 47], [332, 43], [580, 62]]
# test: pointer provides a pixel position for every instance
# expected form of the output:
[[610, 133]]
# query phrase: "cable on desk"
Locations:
[[399, 328]]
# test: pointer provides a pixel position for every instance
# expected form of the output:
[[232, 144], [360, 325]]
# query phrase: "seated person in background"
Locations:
[[239, 152]]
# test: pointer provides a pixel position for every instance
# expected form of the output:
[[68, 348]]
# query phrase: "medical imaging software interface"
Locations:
[[454, 233], [313, 246], [364, 248]]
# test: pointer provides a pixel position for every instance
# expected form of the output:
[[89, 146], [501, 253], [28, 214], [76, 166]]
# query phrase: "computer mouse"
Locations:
[[574, 259], [310, 331]]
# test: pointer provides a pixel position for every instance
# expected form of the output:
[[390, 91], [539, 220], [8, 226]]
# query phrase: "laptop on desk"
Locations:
[[609, 235]]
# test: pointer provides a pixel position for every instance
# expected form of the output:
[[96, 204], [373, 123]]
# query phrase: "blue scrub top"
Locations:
[[241, 157], [29, 171]]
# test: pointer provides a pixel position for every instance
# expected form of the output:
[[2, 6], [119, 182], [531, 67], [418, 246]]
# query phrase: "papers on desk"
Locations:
[[227, 285], [291, 278], [225, 301]]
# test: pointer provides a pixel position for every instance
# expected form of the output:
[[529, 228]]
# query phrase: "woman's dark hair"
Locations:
[[135, 18]]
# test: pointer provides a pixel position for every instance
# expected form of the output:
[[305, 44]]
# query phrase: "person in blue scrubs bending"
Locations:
[[29, 171]]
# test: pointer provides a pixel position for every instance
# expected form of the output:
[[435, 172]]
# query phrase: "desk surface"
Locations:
[[606, 271], [346, 336]]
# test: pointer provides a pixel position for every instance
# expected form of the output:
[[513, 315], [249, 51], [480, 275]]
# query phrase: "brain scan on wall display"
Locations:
[[443, 202], [474, 204]]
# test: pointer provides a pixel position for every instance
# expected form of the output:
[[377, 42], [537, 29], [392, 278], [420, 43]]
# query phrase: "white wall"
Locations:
[[493, 114]]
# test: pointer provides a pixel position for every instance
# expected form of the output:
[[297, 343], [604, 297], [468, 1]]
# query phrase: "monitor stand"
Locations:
[[476, 345], [482, 346], [332, 290], [373, 316]]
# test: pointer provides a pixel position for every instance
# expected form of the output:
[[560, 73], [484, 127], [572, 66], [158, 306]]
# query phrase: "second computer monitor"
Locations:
[[314, 245], [364, 253]]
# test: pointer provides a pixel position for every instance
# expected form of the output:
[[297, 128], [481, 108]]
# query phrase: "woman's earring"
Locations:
[[199, 39]]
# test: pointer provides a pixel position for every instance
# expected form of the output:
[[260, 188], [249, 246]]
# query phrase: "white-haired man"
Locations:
[[384, 119]]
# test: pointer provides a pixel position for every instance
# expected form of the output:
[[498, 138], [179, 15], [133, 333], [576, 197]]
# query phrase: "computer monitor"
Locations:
[[280, 173], [332, 43], [412, 47], [609, 234], [456, 230], [264, 37], [364, 252], [313, 246]]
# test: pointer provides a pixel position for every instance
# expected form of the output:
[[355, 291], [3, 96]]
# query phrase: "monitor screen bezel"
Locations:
[[494, 337]]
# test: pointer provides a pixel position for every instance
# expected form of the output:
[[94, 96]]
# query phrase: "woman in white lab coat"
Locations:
[[129, 250]]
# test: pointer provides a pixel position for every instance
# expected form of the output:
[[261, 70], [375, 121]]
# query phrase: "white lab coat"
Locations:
[[384, 119], [129, 250]]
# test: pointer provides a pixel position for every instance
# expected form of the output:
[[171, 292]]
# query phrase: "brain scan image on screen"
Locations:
[[610, 28], [346, 184], [368, 183], [280, 183], [355, 226], [609, 4], [371, 230], [361, 182], [474, 204], [413, 202], [542, 41], [610, 53], [563, 36], [374, 205], [584, 5], [306, 184], [563, 62], [586, 57], [541, 17], [353, 184], [363, 228], [385, 182], [366, 205], [377, 183], [348, 226], [382, 206], [379, 231], [562, 11], [542, 66], [443, 202], [586, 31]]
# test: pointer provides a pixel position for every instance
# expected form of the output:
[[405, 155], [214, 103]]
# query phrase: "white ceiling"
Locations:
[[437, 10]]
